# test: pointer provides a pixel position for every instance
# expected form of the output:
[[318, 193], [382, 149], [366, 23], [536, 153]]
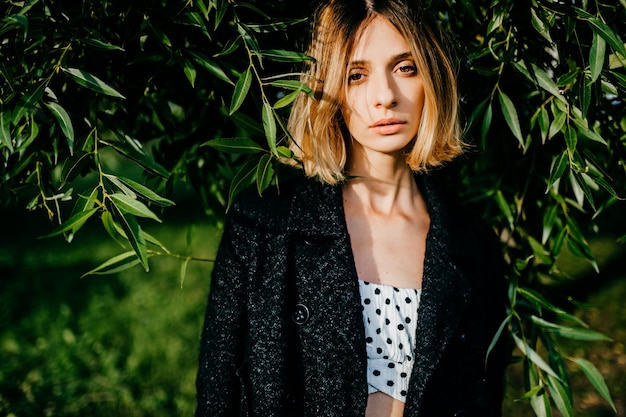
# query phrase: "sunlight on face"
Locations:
[[384, 94]]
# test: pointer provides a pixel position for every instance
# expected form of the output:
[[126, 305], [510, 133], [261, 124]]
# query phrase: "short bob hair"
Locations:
[[320, 139]]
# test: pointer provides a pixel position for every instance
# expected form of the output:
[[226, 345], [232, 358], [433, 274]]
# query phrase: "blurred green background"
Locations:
[[126, 344]]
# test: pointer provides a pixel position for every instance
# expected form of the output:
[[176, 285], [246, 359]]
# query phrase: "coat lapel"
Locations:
[[317, 216], [445, 293]]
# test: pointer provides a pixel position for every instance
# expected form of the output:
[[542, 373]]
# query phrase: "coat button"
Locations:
[[300, 314]]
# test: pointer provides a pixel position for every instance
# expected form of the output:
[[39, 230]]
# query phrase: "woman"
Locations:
[[359, 290]]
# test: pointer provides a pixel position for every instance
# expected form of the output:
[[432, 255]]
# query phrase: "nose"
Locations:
[[384, 92]]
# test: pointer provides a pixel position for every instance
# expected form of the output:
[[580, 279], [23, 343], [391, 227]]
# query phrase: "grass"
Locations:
[[126, 344]]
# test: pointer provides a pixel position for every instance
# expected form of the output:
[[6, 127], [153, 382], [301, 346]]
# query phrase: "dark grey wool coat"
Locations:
[[284, 335]]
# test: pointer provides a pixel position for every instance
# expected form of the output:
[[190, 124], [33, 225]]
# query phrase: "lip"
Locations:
[[388, 126]]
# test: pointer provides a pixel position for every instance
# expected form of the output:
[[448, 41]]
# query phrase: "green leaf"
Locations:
[[115, 264], [285, 56], [129, 205], [264, 173], [557, 123], [549, 218], [505, 209], [269, 126], [65, 122], [539, 76], [542, 256], [561, 396], [249, 38], [145, 192], [5, 130], [596, 56], [133, 234], [540, 25], [541, 303], [27, 102], [569, 332], [241, 90], [596, 379], [211, 66], [141, 158], [484, 130], [242, 179], [571, 139], [603, 30], [190, 72], [91, 82], [234, 145], [510, 115], [544, 124], [533, 356], [286, 100], [75, 221]]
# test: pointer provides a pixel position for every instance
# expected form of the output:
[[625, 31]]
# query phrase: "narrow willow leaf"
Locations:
[[596, 379], [484, 130], [182, 271], [533, 356], [286, 100], [141, 158], [558, 122], [540, 25], [133, 234], [269, 126], [585, 95], [285, 56], [190, 72], [544, 124], [533, 392], [211, 66], [540, 77], [496, 338], [91, 82], [27, 102], [5, 130], [220, 12], [101, 44], [242, 179], [579, 193], [65, 122], [115, 264], [510, 115], [231, 46], [285, 152], [129, 205], [596, 56], [549, 218], [122, 187], [241, 90], [293, 85], [604, 31], [109, 225], [154, 241], [146, 192], [83, 204], [571, 140], [264, 173], [542, 256], [569, 332], [249, 38], [560, 396], [541, 303], [505, 209], [559, 164], [234, 145], [76, 220]]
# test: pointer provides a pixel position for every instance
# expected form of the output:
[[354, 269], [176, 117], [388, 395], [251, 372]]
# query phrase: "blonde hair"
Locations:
[[320, 137]]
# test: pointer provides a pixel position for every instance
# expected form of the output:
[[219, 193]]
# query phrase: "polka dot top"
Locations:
[[390, 318]]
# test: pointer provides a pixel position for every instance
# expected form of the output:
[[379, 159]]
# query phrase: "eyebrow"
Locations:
[[398, 57]]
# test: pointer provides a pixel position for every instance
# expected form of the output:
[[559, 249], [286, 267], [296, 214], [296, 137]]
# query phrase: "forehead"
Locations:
[[377, 38]]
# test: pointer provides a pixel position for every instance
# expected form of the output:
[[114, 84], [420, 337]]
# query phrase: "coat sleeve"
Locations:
[[219, 392]]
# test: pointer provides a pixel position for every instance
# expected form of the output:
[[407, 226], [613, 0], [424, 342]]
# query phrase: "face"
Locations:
[[384, 96]]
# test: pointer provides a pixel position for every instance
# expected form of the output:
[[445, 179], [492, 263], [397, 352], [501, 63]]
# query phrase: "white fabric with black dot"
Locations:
[[390, 318]]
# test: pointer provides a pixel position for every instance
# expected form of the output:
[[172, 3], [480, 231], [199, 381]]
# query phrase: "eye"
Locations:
[[355, 76], [406, 67]]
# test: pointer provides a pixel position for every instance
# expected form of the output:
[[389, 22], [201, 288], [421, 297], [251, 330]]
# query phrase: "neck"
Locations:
[[385, 185]]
